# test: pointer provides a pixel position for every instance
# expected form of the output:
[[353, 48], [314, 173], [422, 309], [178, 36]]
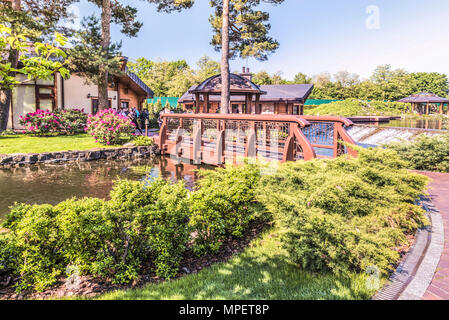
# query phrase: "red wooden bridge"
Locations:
[[222, 138]]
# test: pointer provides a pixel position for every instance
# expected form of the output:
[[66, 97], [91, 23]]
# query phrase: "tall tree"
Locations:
[[240, 30], [115, 11]]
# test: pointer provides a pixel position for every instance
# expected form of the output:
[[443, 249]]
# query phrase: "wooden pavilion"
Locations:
[[427, 103], [247, 97]]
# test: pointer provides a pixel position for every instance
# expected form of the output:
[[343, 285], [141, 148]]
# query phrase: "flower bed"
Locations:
[[108, 127]]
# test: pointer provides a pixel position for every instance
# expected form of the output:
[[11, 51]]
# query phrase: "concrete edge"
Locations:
[[415, 273]]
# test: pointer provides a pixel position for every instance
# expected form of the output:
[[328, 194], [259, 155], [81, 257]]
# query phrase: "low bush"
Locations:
[[223, 205], [354, 107], [143, 141], [345, 214], [425, 153], [41, 122], [109, 127], [142, 223], [72, 121]]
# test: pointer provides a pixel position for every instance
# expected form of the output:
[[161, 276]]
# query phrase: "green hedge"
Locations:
[[345, 214], [145, 224], [338, 215], [354, 107], [425, 153]]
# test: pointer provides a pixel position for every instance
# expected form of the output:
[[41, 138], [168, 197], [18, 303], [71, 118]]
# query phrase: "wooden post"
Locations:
[[441, 108], [258, 110], [206, 103], [427, 108]]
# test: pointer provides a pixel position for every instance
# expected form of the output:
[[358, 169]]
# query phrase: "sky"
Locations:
[[315, 35]]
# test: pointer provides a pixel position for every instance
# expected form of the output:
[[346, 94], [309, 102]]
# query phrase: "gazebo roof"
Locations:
[[424, 97], [239, 85]]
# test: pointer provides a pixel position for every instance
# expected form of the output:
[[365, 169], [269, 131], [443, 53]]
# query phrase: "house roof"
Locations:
[[238, 85], [424, 97], [297, 93]]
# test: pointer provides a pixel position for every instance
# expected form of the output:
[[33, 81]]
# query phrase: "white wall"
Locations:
[[76, 91]]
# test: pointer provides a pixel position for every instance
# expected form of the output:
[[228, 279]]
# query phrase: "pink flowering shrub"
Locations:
[[41, 122], [108, 127]]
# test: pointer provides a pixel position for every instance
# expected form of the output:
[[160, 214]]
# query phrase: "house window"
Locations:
[[296, 110], [125, 104], [235, 108], [45, 98]]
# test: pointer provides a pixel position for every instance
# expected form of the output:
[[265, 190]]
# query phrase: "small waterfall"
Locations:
[[371, 136]]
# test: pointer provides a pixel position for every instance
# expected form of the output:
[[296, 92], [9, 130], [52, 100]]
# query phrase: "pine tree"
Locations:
[[240, 30], [114, 11]]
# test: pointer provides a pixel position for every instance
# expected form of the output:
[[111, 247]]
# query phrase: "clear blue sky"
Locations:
[[315, 36]]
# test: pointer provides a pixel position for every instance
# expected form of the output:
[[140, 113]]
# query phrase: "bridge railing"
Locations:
[[217, 138]]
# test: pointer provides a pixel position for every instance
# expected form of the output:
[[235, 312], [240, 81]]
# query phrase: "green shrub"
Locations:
[[162, 208], [223, 205], [36, 245], [345, 214], [143, 141], [354, 107], [425, 153], [72, 121], [143, 223]]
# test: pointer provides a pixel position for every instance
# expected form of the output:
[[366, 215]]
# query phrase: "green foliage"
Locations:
[[141, 223], [425, 153], [143, 141], [72, 121], [346, 214], [249, 31], [87, 54], [173, 78], [353, 107], [223, 205], [44, 62]]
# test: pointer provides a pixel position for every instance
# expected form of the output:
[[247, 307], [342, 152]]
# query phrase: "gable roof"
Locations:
[[296, 93], [238, 85], [424, 97]]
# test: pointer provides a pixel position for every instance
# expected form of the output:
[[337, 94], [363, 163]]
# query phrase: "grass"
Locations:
[[11, 144], [261, 272]]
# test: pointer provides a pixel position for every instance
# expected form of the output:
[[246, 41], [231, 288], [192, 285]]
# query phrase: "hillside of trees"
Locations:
[[174, 78]]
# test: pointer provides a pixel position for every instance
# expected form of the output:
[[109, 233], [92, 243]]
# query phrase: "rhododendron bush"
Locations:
[[73, 121], [41, 122], [108, 127]]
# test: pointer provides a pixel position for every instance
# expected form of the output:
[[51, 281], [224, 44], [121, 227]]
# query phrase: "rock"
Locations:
[[129, 144], [186, 270]]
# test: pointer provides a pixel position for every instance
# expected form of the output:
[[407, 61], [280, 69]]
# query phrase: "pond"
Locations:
[[433, 124], [55, 183]]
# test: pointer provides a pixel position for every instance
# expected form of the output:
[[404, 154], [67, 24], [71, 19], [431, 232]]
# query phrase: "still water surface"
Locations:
[[433, 124], [55, 183]]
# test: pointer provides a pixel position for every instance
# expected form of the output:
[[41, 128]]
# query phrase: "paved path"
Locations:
[[439, 193]]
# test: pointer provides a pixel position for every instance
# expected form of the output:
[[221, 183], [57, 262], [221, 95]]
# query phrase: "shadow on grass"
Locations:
[[253, 275]]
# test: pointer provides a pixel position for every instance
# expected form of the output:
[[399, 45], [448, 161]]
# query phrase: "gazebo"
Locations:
[[426, 103], [239, 86]]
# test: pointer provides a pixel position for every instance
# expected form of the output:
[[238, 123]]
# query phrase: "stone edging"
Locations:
[[413, 276], [19, 160]]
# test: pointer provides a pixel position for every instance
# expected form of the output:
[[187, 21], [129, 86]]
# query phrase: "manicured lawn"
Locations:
[[261, 272], [33, 144]]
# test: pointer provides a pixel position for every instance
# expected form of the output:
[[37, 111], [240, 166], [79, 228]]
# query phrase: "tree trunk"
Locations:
[[6, 95], [103, 101], [5, 102], [225, 77]]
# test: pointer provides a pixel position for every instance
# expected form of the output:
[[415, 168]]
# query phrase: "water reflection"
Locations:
[[54, 183], [434, 124]]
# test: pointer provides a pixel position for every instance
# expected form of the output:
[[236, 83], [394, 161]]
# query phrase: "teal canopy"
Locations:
[[317, 102], [172, 100]]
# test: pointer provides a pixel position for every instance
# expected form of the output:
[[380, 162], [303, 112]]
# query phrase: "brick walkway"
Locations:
[[439, 193]]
